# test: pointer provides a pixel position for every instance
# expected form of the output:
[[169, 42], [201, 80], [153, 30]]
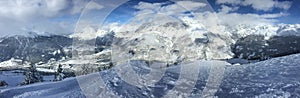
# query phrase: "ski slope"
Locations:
[[278, 77]]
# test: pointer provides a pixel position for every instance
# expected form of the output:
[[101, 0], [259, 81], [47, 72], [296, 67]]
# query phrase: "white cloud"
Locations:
[[173, 9], [227, 9], [228, 1], [79, 5], [191, 5], [24, 9], [19, 16], [264, 5], [284, 5], [233, 19], [151, 12], [93, 5], [276, 15], [225, 16], [144, 6]]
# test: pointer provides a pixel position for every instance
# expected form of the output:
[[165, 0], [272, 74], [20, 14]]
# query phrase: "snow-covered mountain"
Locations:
[[257, 47], [18, 52], [169, 42], [265, 41], [190, 40], [265, 30], [292, 29]]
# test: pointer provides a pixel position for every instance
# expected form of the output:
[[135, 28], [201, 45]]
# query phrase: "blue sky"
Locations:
[[125, 11], [292, 18], [294, 12], [61, 16]]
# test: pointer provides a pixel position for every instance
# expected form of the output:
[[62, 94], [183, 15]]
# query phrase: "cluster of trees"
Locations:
[[33, 76]]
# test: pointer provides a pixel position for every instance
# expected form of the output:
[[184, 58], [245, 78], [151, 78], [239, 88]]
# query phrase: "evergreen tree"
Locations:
[[32, 76], [59, 74]]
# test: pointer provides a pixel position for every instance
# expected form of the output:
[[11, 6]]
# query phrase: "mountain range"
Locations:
[[242, 41]]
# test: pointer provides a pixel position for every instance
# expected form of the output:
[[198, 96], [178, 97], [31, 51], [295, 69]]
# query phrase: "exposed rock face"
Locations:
[[104, 42], [256, 47]]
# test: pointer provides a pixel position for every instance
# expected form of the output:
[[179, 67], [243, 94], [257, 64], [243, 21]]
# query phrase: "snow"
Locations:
[[155, 41], [13, 78], [265, 30], [276, 77], [67, 88], [180, 34], [12, 64], [17, 64], [45, 70], [89, 59], [244, 30], [293, 29], [89, 33], [56, 52], [196, 28], [8, 63]]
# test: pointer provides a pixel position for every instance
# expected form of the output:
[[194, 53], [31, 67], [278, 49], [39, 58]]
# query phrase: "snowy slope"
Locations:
[[68, 88], [12, 64], [278, 77]]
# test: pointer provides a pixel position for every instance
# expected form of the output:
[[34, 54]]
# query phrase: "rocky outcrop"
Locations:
[[104, 42]]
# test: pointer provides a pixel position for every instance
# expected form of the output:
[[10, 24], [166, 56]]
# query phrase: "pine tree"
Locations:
[[32, 76], [58, 74]]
